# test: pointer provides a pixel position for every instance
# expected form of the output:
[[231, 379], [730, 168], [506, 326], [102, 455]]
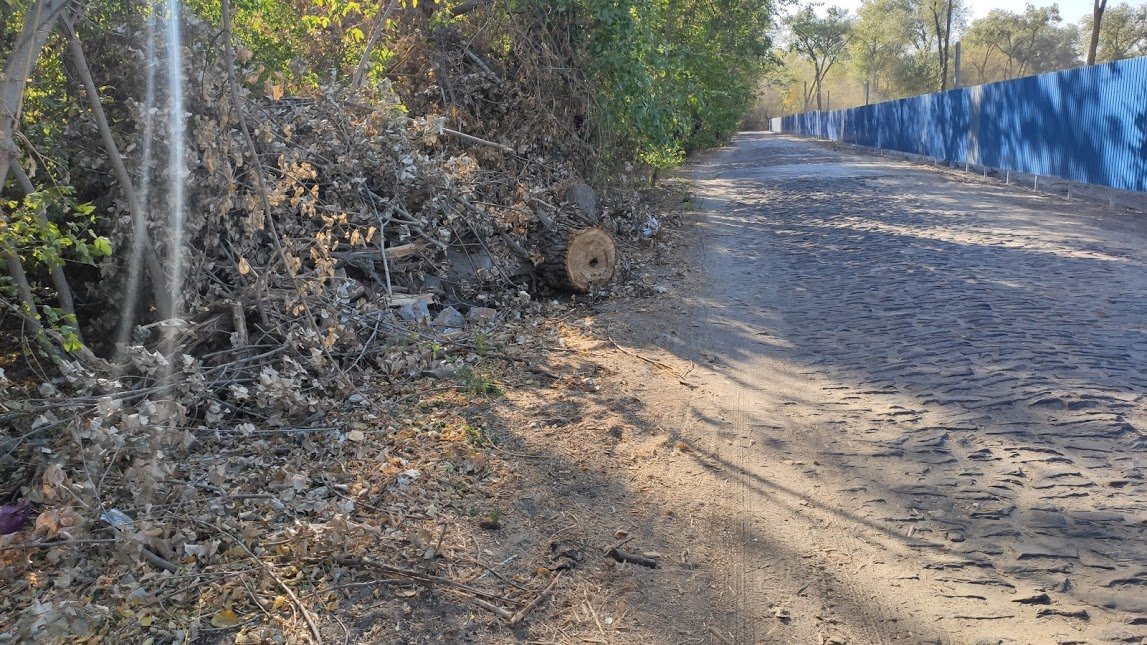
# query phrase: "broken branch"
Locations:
[[525, 611]]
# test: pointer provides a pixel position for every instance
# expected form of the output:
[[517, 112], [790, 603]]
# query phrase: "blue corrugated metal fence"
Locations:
[[1087, 124]]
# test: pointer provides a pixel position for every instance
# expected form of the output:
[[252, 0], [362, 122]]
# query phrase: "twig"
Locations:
[[259, 170], [382, 246], [157, 561], [645, 358], [49, 545], [719, 636], [593, 612], [424, 578], [315, 633], [500, 611], [472, 139], [525, 611], [620, 544], [482, 64]]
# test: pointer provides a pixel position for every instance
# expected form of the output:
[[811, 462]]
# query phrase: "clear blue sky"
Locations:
[[1070, 10]]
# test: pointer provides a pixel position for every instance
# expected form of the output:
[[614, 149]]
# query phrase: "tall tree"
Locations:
[[939, 17], [879, 43], [1025, 43], [1123, 33], [1096, 22], [820, 41]]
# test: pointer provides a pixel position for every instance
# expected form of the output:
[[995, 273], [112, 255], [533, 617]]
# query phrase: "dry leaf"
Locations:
[[225, 618], [48, 524]]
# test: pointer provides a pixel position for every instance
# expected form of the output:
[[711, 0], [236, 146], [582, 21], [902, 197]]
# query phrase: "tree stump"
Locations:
[[578, 260]]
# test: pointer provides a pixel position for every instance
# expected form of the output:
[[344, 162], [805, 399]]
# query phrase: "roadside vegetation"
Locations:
[[267, 261]]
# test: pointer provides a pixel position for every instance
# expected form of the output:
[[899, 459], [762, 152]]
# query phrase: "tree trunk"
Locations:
[[1096, 21], [947, 48], [163, 299], [364, 62], [22, 59], [37, 27], [63, 289], [578, 260], [819, 76]]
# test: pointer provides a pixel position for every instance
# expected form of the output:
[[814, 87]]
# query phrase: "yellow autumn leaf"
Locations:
[[279, 602], [225, 618], [244, 267], [146, 621]]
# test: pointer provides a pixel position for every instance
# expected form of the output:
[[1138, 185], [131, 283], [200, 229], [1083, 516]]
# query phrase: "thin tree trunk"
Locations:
[[819, 76], [1096, 21], [37, 27], [940, 50], [63, 289], [155, 271], [28, 302], [363, 63], [22, 59], [947, 47]]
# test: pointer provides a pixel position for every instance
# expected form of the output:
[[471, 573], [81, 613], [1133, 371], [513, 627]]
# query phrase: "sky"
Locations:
[[1069, 10]]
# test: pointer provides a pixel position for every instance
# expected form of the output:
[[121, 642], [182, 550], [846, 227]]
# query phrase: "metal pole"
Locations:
[[956, 81]]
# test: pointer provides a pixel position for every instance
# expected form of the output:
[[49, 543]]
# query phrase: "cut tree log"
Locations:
[[578, 260]]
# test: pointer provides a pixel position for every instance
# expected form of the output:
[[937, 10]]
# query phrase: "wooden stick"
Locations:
[[647, 360], [157, 561], [632, 558], [49, 545], [472, 139], [525, 611], [719, 636], [500, 611], [482, 64]]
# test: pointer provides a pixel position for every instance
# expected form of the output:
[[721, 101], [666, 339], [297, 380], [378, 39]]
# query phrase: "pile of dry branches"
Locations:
[[333, 245]]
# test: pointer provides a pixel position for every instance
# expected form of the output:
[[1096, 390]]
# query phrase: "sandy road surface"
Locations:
[[918, 412]]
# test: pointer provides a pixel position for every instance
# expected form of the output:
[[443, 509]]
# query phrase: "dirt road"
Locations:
[[894, 405]]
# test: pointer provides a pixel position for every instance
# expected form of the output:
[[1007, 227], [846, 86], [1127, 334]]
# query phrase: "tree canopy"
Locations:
[[820, 41], [898, 48]]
